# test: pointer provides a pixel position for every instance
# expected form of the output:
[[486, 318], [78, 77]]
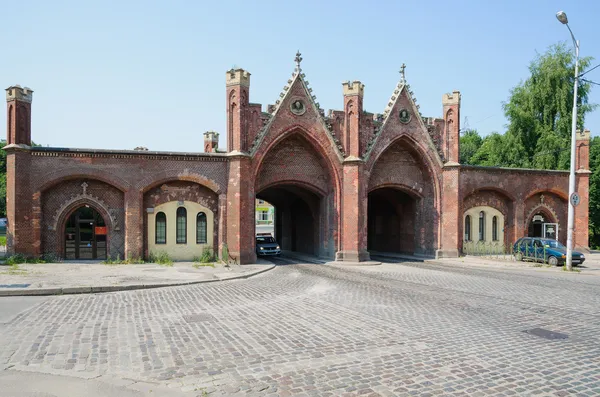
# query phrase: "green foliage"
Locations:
[[539, 113], [3, 240], [18, 259], [470, 142], [207, 256], [160, 257], [594, 201], [206, 259]]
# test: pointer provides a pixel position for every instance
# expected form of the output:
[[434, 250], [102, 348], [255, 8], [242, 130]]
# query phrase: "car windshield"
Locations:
[[263, 240], [553, 244]]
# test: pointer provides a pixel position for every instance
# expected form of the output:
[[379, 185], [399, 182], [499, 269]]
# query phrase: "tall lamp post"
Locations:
[[562, 17]]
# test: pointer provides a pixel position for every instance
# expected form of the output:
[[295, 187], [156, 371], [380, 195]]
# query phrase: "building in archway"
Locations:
[[343, 184]]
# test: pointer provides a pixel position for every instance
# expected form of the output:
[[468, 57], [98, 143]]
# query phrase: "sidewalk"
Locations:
[[590, 266], [78, 278]]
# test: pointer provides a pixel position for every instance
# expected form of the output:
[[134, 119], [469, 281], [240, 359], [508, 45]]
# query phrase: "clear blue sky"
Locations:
[[118, 74]]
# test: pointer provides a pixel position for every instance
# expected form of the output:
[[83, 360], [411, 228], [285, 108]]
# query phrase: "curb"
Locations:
[[115, 288]]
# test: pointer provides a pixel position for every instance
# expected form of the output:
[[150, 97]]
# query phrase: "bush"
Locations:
[[161, 257], [18, 259], [207, 256], [3, 240]]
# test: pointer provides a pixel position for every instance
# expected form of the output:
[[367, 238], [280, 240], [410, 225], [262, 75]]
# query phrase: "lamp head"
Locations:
[[562, 17]]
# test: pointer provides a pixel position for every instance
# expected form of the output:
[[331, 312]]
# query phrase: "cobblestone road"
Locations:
[[316, 330]]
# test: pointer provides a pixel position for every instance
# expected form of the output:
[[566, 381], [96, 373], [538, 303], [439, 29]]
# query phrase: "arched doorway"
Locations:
[[391, 221], [297, 217], [542, 224], [85, 234], [299, 182]]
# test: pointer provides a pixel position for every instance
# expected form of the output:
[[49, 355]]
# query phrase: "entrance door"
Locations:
[[551, 230], [85, 235]]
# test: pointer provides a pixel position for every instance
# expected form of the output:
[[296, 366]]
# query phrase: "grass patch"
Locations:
[[118, 261], [573, 270], [160, 257], [206, 259]]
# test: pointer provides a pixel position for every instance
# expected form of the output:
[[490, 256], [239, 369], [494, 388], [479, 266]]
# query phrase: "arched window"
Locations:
[[181, 232], [495, 228], [482, 226], [161, 228], [10, 122], [468, 228], [201, 228]]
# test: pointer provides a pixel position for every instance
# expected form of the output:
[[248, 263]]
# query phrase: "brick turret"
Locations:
[[238, 92], [451, 141], [211, 141], [18, 130], [583, 150], [353, 111]]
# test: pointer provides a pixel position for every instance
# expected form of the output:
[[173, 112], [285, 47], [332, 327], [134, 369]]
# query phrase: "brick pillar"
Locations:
[[134, 224], [451, 141], [581, 232], [238, 94], [240, 210], [582, 159], [353, 111], [18, 127], [519, 226], [449, 235], [20, 230], [354, 213]]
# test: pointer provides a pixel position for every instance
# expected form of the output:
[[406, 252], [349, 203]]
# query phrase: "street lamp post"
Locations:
[[562, 17]]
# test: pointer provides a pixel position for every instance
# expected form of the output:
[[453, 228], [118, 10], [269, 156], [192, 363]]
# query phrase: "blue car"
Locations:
[[544, 250]]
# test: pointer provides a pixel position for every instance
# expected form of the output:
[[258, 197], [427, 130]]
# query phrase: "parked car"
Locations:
[[267, 245], [3, 222], [544, 250]]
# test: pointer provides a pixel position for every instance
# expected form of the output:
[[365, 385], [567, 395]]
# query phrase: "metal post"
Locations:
[[571, 214]]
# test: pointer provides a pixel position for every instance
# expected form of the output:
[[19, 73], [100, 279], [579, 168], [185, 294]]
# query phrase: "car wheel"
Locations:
[[552, 261], [519, 256]]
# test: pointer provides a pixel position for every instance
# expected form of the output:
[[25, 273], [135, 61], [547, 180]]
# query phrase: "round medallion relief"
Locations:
[[297, 107], [404, 116]]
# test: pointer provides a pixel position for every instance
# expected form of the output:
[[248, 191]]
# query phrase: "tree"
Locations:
[[470, 142], [539, 109], [594, 201]]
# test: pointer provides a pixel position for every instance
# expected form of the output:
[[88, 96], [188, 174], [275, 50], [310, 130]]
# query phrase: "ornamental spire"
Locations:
[[298, 59], [402, 74]]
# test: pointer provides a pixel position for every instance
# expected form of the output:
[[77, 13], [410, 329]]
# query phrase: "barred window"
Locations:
[[181, 235], [468, 228], [161, 228], [495, 228], [482, 226], [201, 228]]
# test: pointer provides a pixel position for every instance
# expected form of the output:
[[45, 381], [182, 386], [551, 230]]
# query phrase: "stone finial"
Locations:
[[451, 99], [353, 88], [298, 59], [237, 77], [583, 136], [17, 93], [403, 74]]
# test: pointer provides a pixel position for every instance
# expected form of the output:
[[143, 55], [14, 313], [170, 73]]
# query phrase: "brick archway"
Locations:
[[403, 201], [100, 208], [297, 178]]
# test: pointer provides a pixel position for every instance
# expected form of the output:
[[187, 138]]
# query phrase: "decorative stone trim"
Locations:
[[83, 197]]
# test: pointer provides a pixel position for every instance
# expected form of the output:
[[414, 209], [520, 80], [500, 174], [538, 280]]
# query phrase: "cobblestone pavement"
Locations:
[[317, 330]]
